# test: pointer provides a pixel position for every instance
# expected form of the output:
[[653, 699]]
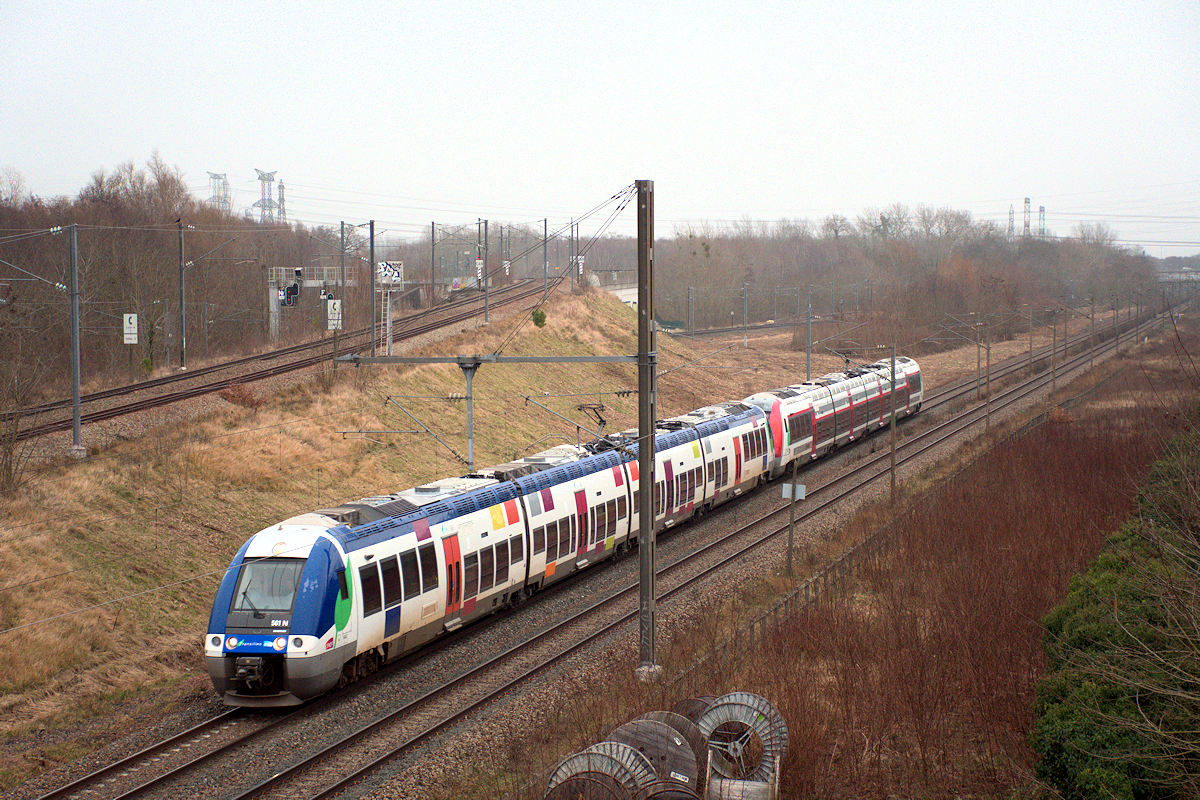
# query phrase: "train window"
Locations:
[[268, 584], [342, 587], [552, 542], [622, 507], [601, 523], [539, 539], [429, 570], [592, 525], [471, 581], [391, 581], [501, 563], [914, 382], [566, 531], [487, 573], [637, 501], [412, 574], [369, 577], [612, 517], [517, 547]]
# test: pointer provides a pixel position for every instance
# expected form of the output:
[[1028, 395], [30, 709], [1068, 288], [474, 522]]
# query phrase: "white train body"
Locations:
[[331, 594]]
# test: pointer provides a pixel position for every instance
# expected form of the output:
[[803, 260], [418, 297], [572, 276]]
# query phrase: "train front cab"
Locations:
[[281, 625], [916, 390]]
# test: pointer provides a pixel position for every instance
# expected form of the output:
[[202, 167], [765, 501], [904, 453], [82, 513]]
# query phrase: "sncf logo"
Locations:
[[329, 643]]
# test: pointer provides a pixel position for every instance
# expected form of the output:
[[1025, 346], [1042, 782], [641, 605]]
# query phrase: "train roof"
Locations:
[[555, 456], [674, 431], [703, 414], [455, 497]]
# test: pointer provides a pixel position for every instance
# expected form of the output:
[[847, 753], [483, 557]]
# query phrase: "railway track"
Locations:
[[323, 351], [334, 766]]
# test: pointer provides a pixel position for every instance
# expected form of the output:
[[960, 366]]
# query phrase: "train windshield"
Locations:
[[268, 584]]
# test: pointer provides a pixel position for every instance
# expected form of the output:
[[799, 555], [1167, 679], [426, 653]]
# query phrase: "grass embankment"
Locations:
[[921, 681], [164, 514]]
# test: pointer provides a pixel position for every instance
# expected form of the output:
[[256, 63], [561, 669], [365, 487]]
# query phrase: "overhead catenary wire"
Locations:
[[622, 198]]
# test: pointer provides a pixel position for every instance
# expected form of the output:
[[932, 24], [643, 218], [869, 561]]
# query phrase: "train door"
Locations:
[[635, 488], [370, 633], [453, 582], [737, 459], [669, 474], [850, 400], [581, 512]]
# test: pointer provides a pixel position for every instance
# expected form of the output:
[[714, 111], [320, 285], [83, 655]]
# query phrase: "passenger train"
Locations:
[[324, 597]]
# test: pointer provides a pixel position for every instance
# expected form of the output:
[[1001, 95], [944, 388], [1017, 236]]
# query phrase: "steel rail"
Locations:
[[270, 355], [268, 372], [146, 752]]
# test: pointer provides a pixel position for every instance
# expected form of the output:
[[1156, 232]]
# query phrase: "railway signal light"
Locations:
[[288, 295]]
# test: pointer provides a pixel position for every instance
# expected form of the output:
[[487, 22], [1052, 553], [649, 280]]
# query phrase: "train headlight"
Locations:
[[280, 642], [297, 642], [216, 641], [231, 642]]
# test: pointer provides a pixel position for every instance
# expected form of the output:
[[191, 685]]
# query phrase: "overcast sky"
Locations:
[[410, 112]]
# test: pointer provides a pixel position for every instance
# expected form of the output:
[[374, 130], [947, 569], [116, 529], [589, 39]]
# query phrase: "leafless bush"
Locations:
[[239, 394], [17, 385]]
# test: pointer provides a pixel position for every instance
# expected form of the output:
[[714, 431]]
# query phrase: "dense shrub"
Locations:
[[1117, 712]]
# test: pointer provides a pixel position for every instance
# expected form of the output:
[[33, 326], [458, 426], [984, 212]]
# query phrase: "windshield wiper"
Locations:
[[246, 596]]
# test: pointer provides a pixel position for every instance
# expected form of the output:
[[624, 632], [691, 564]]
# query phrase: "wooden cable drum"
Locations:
[[746, 735], [693, 707], [720, 788], [688, 730], [685, 728], [589, 786], [666, 790], [604, 771], [668, 752]]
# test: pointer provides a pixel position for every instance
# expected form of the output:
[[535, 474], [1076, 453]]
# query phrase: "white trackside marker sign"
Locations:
[[131, 336]]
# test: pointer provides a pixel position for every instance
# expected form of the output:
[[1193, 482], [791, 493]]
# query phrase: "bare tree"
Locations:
[[12, 187], [19, 381]]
